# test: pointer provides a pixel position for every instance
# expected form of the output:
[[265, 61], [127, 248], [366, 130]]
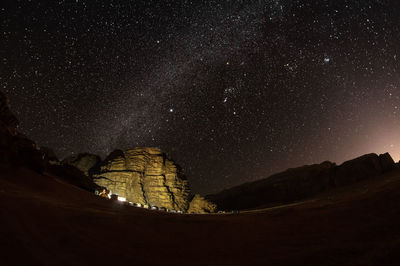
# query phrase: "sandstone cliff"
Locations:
[[301, 183], [200, 205], [146, 176], [141, 175]]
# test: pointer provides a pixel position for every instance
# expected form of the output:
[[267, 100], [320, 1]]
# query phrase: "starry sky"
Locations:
[[233, 91]]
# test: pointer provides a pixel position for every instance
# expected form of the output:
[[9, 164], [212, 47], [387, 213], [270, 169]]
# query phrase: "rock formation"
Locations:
[[8, 125], [50, 155], [301, 183], [200, 205], [145, 176], [15, 148], [366, 166], [8, 122], [74, 176], [84, 162], [141, 175]]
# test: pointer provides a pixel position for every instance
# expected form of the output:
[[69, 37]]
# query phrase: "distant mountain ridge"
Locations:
[[300, 183]]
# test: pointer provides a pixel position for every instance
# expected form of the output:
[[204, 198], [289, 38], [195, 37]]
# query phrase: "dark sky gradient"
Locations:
[[232, 90]]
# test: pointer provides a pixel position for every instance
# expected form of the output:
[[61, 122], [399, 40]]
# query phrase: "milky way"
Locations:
[[231, 90]]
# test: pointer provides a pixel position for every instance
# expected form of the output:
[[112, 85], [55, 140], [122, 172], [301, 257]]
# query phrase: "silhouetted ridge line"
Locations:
[[301, 183]]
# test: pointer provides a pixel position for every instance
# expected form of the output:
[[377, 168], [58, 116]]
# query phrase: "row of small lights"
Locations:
[[123, 200]]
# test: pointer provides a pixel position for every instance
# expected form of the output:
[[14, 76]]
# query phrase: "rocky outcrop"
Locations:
[[8, 125], [145, 176], [73, 176], [15, 148], [8, 122], [85, 162], [50, 155], [200, 205], [364, 167], [301, 183], [141, 175]]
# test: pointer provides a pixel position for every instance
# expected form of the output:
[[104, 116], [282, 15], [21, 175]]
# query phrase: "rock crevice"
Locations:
[[146, 176]]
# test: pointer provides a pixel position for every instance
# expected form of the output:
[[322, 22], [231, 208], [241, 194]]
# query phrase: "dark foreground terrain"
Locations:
[[44, 221]]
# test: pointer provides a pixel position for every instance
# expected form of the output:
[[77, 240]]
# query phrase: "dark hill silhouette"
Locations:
[[300, 183]]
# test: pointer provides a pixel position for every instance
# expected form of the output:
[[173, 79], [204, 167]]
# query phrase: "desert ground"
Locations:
[[45, 221]]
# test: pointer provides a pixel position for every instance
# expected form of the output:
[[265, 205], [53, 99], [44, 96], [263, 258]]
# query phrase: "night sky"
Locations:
[[233, 91]]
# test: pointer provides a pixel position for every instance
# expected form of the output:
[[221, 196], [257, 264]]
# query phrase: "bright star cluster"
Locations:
[[232, 90]]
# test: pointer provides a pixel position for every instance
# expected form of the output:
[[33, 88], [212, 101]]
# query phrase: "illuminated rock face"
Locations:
[[201, 206], [146, 176]]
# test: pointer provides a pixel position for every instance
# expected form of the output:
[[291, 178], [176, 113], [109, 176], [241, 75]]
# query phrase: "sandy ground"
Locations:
[[44, 221]]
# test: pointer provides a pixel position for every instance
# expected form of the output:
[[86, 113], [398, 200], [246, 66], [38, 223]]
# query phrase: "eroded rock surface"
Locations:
[[146, 176], [83, 161], [200, 205]]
